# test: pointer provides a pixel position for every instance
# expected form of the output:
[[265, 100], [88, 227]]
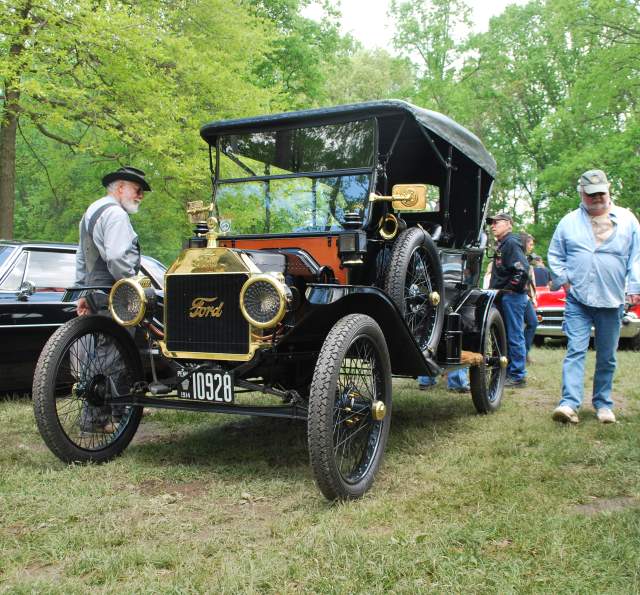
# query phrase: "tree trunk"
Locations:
[[8, 130]]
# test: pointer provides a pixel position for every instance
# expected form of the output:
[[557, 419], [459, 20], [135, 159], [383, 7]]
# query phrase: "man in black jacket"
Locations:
[[510, 273]]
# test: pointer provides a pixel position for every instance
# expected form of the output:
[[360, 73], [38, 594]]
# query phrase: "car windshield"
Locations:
[[294, 181]]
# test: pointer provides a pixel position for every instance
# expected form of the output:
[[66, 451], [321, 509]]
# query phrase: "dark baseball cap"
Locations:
[[499, 217]]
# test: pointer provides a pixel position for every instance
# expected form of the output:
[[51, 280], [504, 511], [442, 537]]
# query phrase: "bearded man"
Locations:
[[109, 248], [108, 251]]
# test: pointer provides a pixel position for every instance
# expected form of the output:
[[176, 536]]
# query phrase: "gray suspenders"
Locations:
[[97, 271]]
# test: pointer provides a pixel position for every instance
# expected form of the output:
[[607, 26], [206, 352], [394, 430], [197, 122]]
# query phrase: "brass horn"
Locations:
[[390, 226]]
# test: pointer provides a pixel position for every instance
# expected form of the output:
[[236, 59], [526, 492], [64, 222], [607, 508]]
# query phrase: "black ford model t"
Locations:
[[342, 247]]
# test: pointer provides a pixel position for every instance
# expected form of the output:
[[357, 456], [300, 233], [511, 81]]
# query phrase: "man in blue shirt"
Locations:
[[595, 255], [510, 273]]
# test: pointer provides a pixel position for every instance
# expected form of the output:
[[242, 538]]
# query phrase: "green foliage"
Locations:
[[103, 84], [551, 89], [366, 75]]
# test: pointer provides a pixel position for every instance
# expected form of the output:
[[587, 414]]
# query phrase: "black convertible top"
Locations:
[[433, 122]]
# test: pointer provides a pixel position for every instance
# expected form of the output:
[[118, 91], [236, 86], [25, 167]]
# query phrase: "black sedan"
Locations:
[[33, 280]]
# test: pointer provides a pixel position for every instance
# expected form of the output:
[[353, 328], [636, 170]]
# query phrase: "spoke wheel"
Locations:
[[414, 282], [349, 408], [79, 368], [487, 379]]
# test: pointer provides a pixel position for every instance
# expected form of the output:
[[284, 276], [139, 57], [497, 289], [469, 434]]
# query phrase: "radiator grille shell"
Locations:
[[228, 334]]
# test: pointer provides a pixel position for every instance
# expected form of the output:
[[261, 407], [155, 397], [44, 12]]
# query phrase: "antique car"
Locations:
[[550, 313], [341, 247], [33, 278]]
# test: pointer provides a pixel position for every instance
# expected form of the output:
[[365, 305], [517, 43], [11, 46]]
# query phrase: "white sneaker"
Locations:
[[606, 416], [564, 414]]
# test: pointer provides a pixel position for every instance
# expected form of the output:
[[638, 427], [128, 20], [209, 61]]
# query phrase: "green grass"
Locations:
[[507, 503]]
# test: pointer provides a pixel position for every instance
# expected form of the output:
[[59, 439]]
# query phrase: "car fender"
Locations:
[[329, 303], [474, 309]]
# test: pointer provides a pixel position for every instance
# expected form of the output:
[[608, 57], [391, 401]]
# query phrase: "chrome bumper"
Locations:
[[551, 325]]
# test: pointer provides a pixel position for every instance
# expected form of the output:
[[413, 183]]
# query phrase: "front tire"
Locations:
[[75, 375], [487, 379], [352, 378]]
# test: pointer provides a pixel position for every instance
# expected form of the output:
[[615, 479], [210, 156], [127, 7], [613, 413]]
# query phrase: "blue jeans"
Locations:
[[578, 320], [530, 324], [512, 307], [427, 380], [456, 379]]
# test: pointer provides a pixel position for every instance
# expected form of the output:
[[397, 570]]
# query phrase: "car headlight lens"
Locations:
[[264, 300], [128, 301]]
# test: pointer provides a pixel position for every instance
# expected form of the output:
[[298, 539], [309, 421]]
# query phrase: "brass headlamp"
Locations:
[[129, 300]]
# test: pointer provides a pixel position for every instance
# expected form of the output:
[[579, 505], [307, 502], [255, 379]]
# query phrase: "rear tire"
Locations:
[[487, 380], [74, 376], [413, 279], [346, 442]]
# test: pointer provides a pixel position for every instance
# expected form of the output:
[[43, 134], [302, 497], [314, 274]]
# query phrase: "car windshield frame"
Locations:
[[354, 176], [6, 251]]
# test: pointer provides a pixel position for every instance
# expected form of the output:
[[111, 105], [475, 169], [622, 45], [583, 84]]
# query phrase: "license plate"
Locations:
[[212, 386]]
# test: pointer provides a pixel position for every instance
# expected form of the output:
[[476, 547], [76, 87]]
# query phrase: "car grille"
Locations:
[[550, 318], [223, 331]]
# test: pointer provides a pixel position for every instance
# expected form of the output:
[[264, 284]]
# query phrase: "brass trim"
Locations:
[[213, 233], [282, 294], [180, 268], [388, 220], [197, 211], [405, 197], [136, 283], [378, 410], [390, 225], [434, 298], [239, 357]]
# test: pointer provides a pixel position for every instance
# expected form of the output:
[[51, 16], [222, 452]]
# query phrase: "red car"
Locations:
[[550, 312]]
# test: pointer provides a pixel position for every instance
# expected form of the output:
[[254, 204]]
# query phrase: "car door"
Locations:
[[31, 309]]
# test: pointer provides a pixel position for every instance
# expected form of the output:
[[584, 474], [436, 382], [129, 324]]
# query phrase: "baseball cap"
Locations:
[[499, 217], [592, 181]]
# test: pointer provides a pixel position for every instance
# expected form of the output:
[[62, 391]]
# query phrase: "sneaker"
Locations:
[[606, 416], [513, 383], [564, 414]]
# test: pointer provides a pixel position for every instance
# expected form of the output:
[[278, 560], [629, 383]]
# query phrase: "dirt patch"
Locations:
[[184, 491], [252, 517], [599, 505], [536, 398], [540, 398], [47, 573], [150, 431]]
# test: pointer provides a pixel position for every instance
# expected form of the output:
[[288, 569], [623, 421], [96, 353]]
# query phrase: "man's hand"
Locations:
[[82, 307], [566, 286], [634, 299]]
